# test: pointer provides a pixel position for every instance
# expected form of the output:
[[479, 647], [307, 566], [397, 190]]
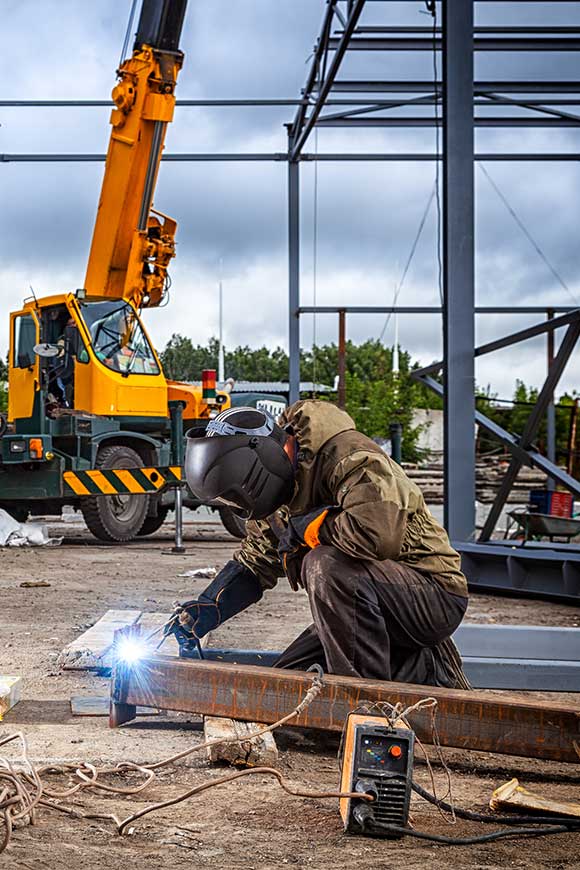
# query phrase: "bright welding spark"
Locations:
[[131, 650]]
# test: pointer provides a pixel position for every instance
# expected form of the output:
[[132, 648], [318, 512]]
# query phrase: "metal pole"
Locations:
[[572, 438], [294, 278], [342, 358], [221, 362], [396, 433], [176, 410], [458, 269], [551, 412]]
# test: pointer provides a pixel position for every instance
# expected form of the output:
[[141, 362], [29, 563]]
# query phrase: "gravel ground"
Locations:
[[251, 824]]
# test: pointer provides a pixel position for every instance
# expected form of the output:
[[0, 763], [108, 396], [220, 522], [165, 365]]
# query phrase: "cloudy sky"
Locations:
[[235, 213]]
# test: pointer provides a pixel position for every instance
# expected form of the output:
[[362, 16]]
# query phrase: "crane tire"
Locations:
[[153, 524], [116, 518]]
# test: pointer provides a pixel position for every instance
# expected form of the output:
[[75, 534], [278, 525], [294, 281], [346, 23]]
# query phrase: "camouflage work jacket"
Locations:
[[380, 513]]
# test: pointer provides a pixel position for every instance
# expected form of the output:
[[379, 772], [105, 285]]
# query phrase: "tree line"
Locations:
[[375, 395]]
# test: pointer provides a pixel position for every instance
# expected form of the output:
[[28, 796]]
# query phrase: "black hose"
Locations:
[[375, 827], [569, 824]]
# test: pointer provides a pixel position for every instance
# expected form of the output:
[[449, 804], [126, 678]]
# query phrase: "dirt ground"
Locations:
[[251, 823]]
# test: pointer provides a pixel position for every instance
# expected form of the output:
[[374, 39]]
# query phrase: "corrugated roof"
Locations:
[[274, 387], [278, 387]]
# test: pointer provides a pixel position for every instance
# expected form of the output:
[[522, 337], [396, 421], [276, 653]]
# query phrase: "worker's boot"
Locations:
[[448, 666]]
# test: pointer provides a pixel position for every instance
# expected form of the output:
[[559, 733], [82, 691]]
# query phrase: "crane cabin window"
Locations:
[[118, 339], [24, 341]]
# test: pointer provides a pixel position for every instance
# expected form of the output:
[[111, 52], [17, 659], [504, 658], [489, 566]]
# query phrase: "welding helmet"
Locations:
[[241, 463]]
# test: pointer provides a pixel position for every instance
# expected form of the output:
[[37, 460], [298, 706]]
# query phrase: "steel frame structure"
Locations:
[[457, 103], [460, 99]]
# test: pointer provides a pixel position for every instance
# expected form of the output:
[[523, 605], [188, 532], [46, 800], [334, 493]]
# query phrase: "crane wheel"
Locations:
[[153, 524], [116, 517]]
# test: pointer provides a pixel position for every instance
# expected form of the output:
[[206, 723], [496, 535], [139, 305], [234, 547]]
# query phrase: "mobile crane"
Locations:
[[88, 398]]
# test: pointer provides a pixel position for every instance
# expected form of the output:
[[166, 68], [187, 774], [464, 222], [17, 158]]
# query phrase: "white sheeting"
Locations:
[[15, 534]]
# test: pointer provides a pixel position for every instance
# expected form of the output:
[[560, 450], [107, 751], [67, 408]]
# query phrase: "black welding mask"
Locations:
[[241, 463]]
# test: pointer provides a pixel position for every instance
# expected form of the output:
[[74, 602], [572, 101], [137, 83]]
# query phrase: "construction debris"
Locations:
[[10, 691], [200, 574], [489, 475], [239, 750], [15, 534], [513, 796]]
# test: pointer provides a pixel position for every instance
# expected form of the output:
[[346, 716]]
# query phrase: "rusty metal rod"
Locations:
[[468, 720]]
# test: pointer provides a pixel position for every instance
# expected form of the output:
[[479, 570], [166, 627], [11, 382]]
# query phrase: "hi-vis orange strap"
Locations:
[[311, 534]]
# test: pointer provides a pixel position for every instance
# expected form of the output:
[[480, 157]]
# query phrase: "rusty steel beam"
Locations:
[[468, 720]]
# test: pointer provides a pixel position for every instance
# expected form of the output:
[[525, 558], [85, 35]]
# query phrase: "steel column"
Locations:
[[551, 412], [458, 257], [294, 279]]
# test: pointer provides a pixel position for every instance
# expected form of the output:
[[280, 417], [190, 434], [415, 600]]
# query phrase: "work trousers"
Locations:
[[378, 620]]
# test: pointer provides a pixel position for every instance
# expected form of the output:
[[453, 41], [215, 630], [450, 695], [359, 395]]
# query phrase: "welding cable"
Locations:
[[375, 827], [264, 771], [570, 824], [23, 791]]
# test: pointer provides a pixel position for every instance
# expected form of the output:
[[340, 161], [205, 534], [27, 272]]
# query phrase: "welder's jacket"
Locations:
[[381, 514]]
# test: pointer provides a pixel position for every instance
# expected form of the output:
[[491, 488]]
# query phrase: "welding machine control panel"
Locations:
[[383, 752]]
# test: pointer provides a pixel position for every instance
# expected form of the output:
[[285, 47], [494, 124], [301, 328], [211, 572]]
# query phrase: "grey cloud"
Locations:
[[367, 214]]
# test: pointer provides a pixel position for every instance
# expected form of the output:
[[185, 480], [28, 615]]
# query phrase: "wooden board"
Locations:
[[93, 648], [10, 691], [506, 724], [238, 750], [513, 796], [98, 705]]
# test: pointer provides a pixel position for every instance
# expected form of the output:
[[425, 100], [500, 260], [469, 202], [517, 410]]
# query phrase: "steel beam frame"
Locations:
[[282, 157], [521, 447], [458, 271]]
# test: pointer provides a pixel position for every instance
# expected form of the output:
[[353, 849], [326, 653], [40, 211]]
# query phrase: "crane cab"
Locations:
[[76, 354]]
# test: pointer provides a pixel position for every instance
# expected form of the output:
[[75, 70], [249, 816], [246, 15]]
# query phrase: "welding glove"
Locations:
[[300, 536], [234, 589]]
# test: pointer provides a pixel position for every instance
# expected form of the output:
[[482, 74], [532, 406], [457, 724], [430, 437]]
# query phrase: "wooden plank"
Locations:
[[98, 705], [10, 692], [513, 796], [93, 648], [467, 720], [239, 751]]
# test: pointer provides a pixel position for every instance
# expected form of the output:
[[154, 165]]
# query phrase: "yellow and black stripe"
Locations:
[[121, 481]]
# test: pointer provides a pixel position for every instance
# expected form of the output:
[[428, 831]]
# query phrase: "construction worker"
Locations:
[[330, 510]]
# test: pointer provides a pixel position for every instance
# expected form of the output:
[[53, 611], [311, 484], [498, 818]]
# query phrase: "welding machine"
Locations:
[[377, 759]]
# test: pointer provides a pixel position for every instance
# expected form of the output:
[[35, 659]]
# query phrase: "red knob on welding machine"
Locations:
[[395, 751]]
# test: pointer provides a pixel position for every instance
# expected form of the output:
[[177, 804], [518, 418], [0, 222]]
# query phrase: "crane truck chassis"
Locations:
[[87, 394]]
